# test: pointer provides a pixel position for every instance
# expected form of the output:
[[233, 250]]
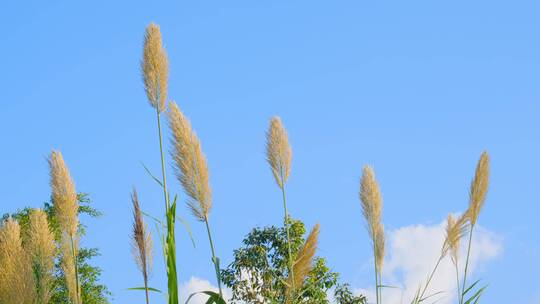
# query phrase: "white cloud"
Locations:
[[412, 252], [195, 285]]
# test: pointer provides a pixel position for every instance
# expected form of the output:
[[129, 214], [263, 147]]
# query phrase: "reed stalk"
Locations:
[[141, 244], [155, 72], [66, 207], [41, 250], [279, 156], [371, 199], [477, 197], [192, 172]]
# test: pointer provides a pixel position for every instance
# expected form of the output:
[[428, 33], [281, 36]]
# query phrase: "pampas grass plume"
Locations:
[[278, 151], [304, 261], [41, 250], [155, 68], [16, 279], [190, 163], [479, 188]]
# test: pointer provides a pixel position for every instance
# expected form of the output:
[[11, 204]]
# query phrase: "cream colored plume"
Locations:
[[16, 278], [278, 151], [64, 196], [155, 68], [479, 188], [41, 249], [190, 164], [141, 244], [66, 208], [455, 229], [303, 263], [371, 199]]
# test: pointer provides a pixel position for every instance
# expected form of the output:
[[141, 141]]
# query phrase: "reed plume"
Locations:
[[155, 68], [479, 188], [141, 244], [477, 197], [303, 263], [455, 229], [155, 74], [66, 208], [16, 280], [278, 151], [279, 157], [190, 164], [371, 199], [192, 173], [41, 250]]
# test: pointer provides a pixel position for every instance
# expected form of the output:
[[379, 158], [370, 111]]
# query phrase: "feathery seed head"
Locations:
[[41, 250], [479, 188], [455, 229], [371, 198], [278, 151], [304, 260], [141, 244], [155, 68], [64, 196], [190, 164], [16, 279]]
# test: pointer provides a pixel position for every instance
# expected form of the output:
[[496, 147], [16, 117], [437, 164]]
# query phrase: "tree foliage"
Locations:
[[259, 270]]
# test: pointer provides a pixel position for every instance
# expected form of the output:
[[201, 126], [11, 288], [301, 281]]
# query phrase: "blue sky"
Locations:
[[416, 89]]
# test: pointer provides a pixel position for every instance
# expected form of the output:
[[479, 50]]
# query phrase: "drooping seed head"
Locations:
[[64, 196], [155, 68], [141, 245], [190, 164], [304, 262], [278, 151], [479, 188], [455, 229]]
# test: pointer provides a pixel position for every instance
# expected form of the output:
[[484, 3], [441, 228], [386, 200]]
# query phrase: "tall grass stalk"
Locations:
[[141, 243], [155, 76], [193, 174], [279, 157], [66, 207], [477, 197], [371, 199]]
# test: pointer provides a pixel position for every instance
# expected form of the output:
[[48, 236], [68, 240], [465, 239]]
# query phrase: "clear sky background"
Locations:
[[418, 89]]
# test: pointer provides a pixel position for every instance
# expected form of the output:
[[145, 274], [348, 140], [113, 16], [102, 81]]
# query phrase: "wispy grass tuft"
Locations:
[[155, 68], [16, 280], [371, 199], [41, 251], [302, 265], [192, 173], [66, 207], [141, 245]]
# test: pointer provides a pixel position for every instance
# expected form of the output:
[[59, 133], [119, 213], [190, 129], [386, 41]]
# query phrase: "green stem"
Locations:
[[467, 263], [376, 268], [457, 278], [164, 176], [291, 270], [214, 258], [431, 277], [170, 249], [78, 294]]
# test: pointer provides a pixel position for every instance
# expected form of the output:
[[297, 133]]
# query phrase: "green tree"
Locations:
[[343, 295], [93, 292], [259, 270]]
